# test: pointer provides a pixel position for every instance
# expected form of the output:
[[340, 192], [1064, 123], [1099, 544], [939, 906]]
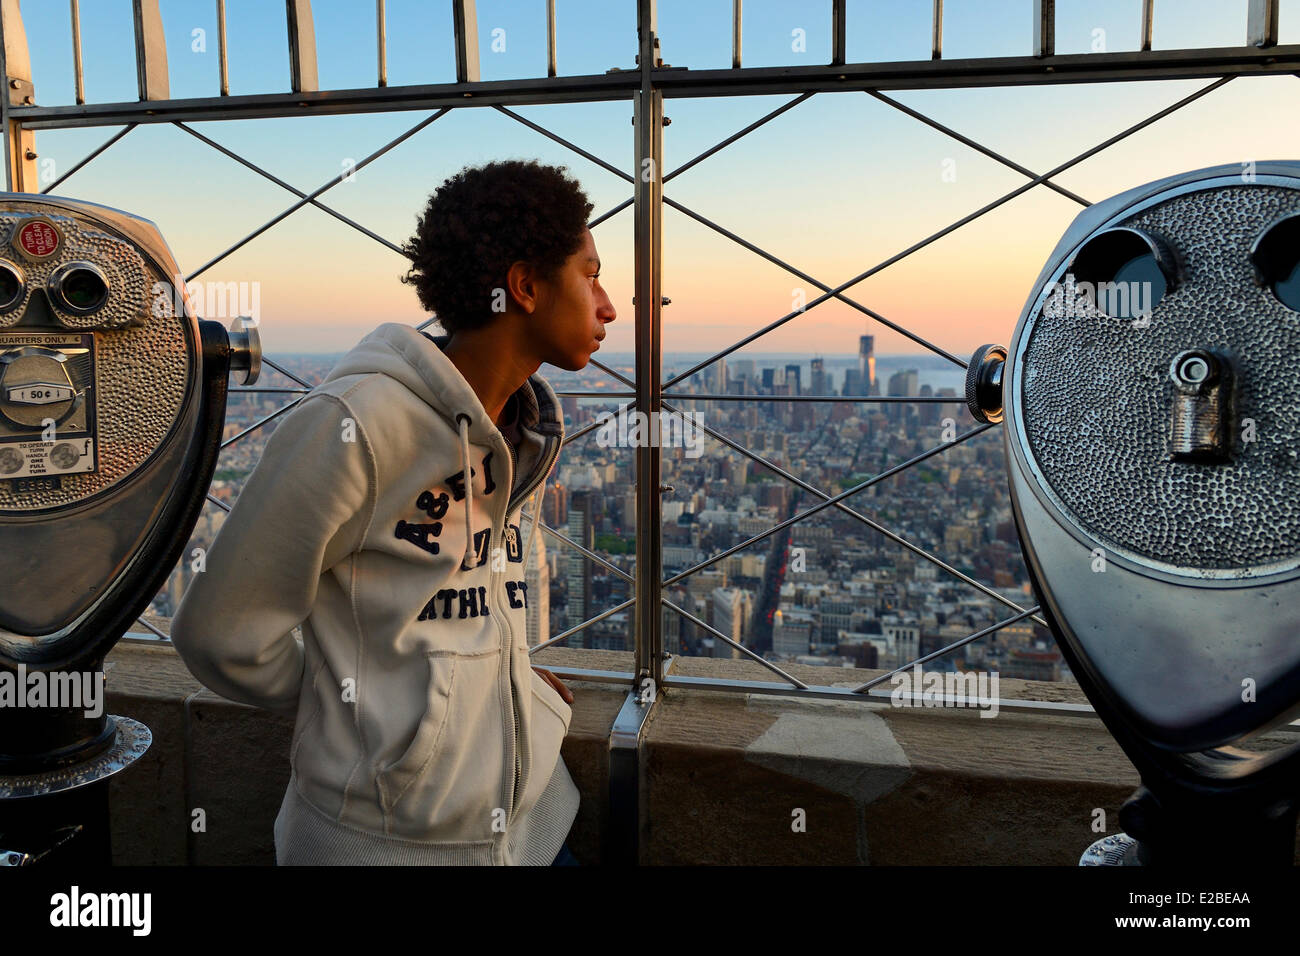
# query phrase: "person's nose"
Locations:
[[605, 310]]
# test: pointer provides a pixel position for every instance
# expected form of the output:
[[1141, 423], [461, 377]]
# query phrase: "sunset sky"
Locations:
[[833, 186]]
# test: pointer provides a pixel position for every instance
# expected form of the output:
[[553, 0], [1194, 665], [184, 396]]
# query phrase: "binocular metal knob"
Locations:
[[245, 350], [984, 383]]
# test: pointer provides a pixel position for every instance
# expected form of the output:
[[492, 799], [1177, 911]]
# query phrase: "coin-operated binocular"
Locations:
[[112, 404], [1152, 437]]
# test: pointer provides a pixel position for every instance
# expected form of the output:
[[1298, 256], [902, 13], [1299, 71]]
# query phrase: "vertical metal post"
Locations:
[[735, 34], [623, 838], [16, 67], [1044, 27], [382, 34], [1148, 14], [550, 37], [649, 211], [936, 38], [302, 47], [839, 32], [1261, 23], [465, 21], [78, 75], [223, 63], [150, 51]]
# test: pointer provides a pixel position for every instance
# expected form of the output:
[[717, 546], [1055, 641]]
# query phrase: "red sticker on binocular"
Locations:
[[38, 239]]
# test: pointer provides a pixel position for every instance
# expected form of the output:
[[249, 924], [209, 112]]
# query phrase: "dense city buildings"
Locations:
[[835, 588]]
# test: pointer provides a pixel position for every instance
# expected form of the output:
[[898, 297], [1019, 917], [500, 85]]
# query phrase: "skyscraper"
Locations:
[[792, 379], [818, 383], [580, 529], [538, 578], [902, 383], [867, 362], [731, 612]]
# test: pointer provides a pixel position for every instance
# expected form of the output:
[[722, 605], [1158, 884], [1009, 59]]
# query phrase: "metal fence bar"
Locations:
[[150, 51], [282, 184], [863, 399], [1148, 15], [836, 293], [735, 34], [223, 59], [936, 32], [740, 647], [592, 157], [619, 376], [617, 209], [565, 635], [839, 34], [258, 424], [307, 199], [302, 47], [235, 389], [590, 555], [648, 120], [621, 85], [465, 23], [141, 620], [1044, 27], [381, 36], [550, 37], [979, 147], [1261, 23], [107, 143], [563, 394], [285, 372], [761, 121], [78, 75]]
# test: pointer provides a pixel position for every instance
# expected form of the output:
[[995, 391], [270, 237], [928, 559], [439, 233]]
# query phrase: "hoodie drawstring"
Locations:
[[462, 421]]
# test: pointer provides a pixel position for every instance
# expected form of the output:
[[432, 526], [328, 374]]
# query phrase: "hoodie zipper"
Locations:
[[543, 474], [514, 710]]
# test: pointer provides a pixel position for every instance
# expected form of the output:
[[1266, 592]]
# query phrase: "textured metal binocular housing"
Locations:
[[1151, 407], [112, 403]]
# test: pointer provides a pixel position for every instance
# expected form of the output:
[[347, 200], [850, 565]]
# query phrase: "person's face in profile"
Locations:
[[574, 309]]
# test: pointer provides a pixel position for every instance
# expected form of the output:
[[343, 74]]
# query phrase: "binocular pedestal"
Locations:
[[59, 816]]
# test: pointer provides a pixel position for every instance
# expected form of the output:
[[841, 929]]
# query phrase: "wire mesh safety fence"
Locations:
[[646, 86]]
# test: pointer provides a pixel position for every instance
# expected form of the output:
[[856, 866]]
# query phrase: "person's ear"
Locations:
[[525, 287]]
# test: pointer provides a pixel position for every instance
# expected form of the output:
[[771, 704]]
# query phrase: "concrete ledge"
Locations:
[[726, 778]]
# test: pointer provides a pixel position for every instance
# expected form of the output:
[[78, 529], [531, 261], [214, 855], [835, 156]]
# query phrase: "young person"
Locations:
[[384, 517]]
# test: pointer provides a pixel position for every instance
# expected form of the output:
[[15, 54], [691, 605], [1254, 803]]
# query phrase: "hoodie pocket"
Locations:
[[396, 778], [447, 786]]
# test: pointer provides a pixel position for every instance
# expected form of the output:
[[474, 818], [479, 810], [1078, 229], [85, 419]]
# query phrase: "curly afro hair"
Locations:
[[483, 220]]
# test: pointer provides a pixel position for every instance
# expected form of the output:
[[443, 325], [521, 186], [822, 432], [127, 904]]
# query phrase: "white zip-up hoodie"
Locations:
[[384, 517]]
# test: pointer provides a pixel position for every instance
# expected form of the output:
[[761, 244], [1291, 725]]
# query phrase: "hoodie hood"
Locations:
[[416, 359]]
